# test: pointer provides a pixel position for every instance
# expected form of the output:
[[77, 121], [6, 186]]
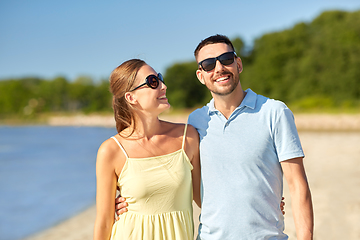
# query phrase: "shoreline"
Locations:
[[304, 122], [78, 227]]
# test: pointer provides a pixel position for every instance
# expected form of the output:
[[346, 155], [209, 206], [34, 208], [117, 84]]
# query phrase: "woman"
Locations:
[[154, 163]]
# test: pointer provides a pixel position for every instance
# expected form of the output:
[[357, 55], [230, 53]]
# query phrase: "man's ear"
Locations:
[[239, 64], [199, 75], [130, 98]]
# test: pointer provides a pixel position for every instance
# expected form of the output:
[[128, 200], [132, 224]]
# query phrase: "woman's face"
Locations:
[[149, 99]]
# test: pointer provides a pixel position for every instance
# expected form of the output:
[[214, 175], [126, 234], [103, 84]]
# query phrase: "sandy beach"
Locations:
[[331, 145]]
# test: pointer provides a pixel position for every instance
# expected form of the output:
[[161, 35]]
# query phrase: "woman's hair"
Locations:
[[121, 81]]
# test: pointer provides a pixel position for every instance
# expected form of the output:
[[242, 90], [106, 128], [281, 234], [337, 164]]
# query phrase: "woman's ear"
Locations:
[[130, 98]]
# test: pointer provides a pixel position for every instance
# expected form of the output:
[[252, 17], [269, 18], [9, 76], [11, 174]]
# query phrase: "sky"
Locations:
[[73, 38]]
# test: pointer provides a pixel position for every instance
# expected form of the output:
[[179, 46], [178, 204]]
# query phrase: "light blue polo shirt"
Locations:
[[242, 180]]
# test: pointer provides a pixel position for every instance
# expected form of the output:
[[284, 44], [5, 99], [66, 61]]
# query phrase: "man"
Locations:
[[247, 143]]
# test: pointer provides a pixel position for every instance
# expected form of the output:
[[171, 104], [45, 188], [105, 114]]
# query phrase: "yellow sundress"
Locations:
[[159, 193]]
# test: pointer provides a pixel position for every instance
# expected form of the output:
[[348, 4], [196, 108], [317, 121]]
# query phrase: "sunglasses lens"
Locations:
[[208, 64], [152, 81], [227, 58], [160, 77]]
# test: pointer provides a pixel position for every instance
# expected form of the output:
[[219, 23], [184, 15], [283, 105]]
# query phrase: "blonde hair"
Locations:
[[122, 80]]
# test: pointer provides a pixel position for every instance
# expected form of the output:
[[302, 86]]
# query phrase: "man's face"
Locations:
[[223, 79]]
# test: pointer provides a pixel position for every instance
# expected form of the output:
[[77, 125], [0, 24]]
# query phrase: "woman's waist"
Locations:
[[158, 209]]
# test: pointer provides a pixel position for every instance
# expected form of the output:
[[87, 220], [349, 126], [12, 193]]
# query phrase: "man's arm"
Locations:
[[294, 173], [120, 206]]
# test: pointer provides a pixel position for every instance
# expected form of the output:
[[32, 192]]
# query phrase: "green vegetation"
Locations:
[[183, 88], [30, 97], [311, 67]]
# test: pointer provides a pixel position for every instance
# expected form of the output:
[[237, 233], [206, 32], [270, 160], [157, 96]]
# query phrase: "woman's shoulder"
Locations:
[[108, 144], [109, 149]]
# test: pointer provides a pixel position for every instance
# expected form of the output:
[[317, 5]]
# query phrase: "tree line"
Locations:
[[309, 66], [30, 96]]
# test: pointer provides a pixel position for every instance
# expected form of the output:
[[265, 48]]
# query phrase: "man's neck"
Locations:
[[227, 104]]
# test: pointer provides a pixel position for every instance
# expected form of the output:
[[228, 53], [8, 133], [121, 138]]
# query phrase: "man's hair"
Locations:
[[212, 40]]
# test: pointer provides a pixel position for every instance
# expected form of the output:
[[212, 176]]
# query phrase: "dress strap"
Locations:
[[184, 137], [118, 143]]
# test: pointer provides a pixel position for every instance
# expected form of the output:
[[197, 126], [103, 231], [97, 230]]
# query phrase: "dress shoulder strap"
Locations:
[[118, 143], [184, 137]]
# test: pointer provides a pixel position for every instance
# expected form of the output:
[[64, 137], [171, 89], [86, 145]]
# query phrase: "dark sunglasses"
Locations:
[[152, 81], [210, 63]]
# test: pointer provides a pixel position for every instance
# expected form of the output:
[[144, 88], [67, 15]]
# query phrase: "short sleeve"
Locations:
[[286, 138]]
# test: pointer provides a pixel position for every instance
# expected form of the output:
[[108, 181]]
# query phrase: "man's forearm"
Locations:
[[303, 214], [294, 173]]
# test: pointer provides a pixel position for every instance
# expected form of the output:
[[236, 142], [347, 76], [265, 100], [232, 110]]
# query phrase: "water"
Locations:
[[47, 174]]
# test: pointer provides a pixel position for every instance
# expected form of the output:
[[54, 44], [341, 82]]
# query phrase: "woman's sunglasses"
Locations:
[[152, 81], [210, 63]]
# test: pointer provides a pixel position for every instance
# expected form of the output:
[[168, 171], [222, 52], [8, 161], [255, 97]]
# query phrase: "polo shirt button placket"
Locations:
[[226, 124]]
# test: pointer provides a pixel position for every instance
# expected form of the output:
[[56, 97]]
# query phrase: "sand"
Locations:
[[331, 144], [332, 166]]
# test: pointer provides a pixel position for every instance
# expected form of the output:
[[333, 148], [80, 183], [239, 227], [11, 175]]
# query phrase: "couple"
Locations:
[[244, 141]]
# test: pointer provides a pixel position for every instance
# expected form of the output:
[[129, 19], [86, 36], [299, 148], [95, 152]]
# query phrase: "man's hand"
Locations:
[[120, 206]]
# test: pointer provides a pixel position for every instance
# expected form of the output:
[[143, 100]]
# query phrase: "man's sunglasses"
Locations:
[[210, 63], [152, 81]]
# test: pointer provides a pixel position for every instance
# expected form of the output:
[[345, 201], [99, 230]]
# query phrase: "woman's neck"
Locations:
[[145, 126]]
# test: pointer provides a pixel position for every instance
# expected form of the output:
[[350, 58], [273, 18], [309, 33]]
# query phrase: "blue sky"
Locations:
[[49, 38]]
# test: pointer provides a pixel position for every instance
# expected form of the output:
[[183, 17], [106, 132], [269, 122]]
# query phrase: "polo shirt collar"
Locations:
[[249, 101]]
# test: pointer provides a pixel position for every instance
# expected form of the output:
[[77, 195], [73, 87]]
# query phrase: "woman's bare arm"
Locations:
[[193, 149], [105, 192]]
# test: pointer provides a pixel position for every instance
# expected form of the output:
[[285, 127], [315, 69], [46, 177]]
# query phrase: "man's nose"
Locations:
[[218, 66]]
